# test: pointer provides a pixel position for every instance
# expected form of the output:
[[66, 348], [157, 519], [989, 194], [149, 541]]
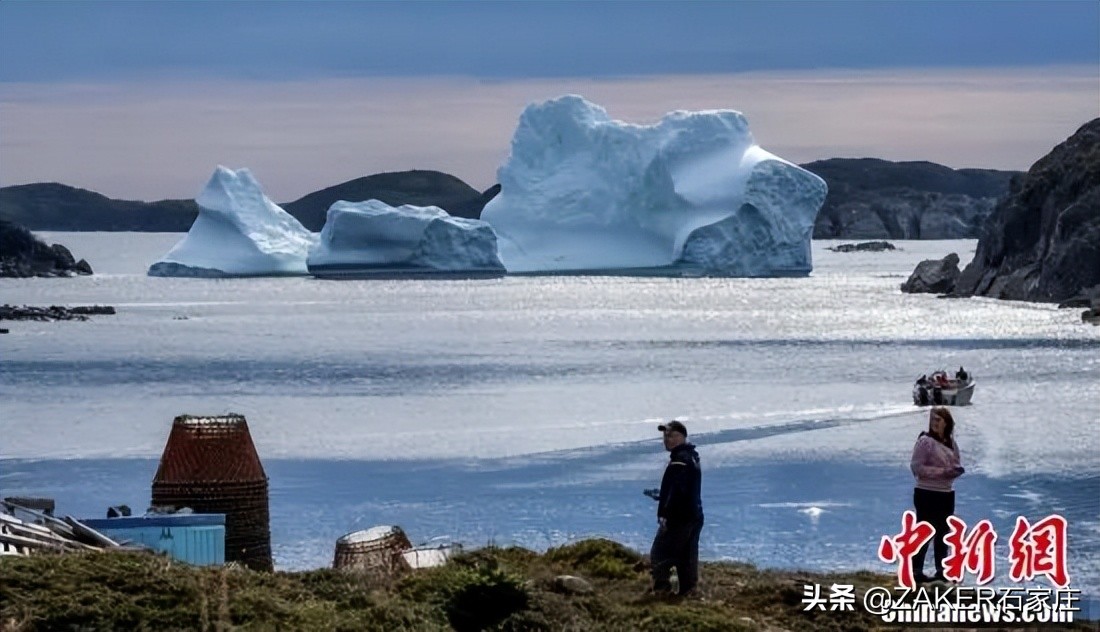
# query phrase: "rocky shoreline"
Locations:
[[1042, 242], [23, 255]]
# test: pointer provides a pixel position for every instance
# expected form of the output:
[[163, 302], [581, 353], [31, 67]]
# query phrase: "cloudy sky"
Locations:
[[141, 100]]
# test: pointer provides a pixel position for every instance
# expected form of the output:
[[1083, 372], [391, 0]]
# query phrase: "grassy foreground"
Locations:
[[497, 589]]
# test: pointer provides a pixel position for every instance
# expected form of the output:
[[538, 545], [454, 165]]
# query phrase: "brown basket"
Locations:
[[210, 449], [376, 550], [210, 465]]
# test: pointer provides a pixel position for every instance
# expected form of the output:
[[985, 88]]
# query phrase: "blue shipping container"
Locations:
[[197, 539]]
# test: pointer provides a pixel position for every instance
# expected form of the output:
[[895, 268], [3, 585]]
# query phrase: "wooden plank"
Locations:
[[85, 532], [54, 524], [26, 525], [46, 538], [6, 519], [41, 544]]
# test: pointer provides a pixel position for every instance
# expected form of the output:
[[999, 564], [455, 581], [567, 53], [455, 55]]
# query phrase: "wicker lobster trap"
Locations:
[[210, 465], [377, 550]]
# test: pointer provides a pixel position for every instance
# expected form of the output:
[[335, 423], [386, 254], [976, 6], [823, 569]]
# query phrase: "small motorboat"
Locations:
[[939, 389]]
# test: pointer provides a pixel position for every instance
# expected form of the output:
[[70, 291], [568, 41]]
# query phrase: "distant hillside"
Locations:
[[868, 199], [419, 188], [878, 199], [52, 206]]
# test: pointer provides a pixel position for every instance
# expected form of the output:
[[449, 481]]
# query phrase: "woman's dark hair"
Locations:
[[948, 426]]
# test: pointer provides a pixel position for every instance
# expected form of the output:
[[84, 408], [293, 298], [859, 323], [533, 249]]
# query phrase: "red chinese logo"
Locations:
[[903, 546], [973, 553], [1034, 550], [1039, 549]]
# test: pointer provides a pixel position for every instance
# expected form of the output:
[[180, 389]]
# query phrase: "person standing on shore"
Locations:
[[679, 514], [935, 465]]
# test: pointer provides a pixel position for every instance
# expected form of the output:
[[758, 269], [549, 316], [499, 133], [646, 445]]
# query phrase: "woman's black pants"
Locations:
[[933, 508]]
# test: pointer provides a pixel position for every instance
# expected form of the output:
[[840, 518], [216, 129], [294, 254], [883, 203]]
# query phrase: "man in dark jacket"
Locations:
[[679, 514]]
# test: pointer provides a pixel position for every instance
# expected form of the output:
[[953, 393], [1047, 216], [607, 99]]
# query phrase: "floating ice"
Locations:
[[372, 238], [239, 232], [692, 194]]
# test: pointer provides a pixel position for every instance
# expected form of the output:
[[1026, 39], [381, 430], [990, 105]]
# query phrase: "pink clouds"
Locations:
[[154, 141]]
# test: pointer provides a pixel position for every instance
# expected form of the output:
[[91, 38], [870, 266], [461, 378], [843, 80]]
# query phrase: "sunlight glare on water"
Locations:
[[523, 410]]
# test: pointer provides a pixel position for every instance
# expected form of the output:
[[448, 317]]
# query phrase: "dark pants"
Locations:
[[933, 508], [676, 545]]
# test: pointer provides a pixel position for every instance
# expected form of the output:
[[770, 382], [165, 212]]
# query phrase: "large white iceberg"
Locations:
[[692, 194], [374, 239], [239, 232]]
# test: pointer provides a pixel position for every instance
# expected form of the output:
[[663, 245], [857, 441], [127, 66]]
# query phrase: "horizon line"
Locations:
[[159, 141]]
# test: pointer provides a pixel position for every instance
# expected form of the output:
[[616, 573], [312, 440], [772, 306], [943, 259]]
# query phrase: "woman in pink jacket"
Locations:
[[935, 464]]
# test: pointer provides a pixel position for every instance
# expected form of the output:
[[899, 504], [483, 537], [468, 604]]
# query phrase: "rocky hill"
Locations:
[[52, 206], [878, 199], [419, 188], [24, 255], [1042, 242]]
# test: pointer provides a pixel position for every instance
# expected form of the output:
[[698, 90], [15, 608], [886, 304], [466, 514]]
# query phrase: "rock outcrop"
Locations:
[[878, 199], [1092, 314], [1042, 242], [24, 255], [937, 276]]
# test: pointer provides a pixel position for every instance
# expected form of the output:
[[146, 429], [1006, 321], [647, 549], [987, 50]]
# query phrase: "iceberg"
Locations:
[[239, 232], [690, 195], [373, 239]]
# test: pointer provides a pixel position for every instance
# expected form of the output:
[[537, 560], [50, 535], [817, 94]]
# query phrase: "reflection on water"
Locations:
[[523, 410]]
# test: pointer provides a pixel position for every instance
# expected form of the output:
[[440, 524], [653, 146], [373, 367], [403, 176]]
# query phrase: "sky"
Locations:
[[141, 100]]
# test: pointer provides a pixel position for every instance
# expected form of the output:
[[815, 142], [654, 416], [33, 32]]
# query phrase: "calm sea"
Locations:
[[524, 410]]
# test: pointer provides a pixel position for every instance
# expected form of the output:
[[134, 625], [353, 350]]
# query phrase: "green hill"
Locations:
[[487, 589]]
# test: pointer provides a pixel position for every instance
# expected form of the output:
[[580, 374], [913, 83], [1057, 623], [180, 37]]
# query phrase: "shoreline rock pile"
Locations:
[[53, 312], [866, 246]]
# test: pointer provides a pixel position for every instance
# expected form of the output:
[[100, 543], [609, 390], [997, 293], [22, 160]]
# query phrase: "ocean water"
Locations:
[[524, 410]]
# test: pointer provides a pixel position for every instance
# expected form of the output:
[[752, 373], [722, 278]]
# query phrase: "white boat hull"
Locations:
[[944, 396]]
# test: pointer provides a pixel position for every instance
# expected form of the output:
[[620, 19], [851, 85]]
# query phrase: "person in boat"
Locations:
[[961, 375], [921, 392], [679, 514], [935, 465]]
